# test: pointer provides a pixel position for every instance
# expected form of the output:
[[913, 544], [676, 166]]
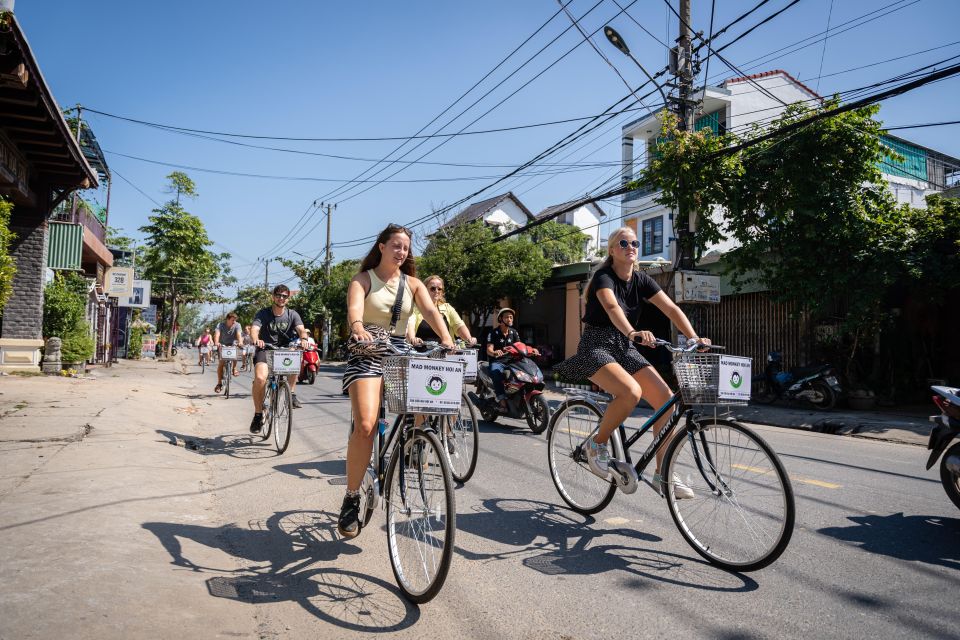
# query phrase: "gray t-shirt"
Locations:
[[228, 336], [280, 330]]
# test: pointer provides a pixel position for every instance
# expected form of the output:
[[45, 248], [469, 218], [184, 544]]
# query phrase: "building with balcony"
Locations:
[[41, 164]]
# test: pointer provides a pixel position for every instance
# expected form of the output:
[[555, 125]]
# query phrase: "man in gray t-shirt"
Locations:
[[227, 334]]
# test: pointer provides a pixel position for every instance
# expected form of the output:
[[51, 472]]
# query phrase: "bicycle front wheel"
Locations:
[[226, 387], [461, 438], [742, 513], [571, 425], [421, 515], [282, 417]]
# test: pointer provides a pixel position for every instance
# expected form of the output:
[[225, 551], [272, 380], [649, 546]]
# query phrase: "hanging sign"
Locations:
[[119, 282], [434, 386], [735, 375]]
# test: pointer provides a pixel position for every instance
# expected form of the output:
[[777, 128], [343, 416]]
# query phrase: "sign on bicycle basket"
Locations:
[[434, 386], [469, 358], [228, 353], [735, 374], [204, 349], [286, 362]]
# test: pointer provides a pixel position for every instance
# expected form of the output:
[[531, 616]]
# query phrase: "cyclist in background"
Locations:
[[205, 340], [418, 330], [227, 334], [248, 349], [608, 357], [276, 326]]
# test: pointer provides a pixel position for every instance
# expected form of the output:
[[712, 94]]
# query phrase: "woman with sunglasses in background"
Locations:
[[607, 355], [419, 331]]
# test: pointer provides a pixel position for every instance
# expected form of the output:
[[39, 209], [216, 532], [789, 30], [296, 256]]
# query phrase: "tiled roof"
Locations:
[[479, 209], [768, 74], [559, 207]]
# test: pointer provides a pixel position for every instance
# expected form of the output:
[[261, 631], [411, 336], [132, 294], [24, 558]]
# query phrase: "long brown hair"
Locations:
[[373, 258]]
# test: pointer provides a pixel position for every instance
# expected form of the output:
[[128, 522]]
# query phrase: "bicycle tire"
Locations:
[[726, 464], [429, 474], [465, 437], [203, 365], [226, 387], [269, 392], [282, 417], [583, 491]]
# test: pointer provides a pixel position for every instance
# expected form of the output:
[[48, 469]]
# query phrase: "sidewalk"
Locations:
[[904, 427], [83, 471]]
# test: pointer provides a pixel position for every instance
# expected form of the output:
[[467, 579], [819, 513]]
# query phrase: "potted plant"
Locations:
[[78, 347]]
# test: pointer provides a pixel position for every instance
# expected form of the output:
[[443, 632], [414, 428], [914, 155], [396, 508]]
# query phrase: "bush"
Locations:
[[7, 267], [78, 344], [64, 304], [135, 347]]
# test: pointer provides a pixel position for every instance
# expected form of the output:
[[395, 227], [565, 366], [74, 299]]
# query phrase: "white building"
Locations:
[[587, 218], [504, 211], [736, 105]]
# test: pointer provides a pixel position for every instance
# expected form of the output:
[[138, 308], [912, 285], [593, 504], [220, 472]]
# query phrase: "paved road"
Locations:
[[875, 552]]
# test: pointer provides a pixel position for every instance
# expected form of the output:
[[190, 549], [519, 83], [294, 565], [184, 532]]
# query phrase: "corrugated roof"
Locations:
[[479, 209], [559, 207]]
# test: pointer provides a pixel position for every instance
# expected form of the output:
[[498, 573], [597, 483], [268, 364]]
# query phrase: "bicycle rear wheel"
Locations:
[[573, 422], [461, 438], [742, 514], [282, 416], [421, 515]]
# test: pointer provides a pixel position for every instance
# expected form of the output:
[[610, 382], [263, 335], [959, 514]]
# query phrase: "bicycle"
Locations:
[[408, 471], [204, 354], [228, 355], [742, 515], [461, 435], [277, 405]]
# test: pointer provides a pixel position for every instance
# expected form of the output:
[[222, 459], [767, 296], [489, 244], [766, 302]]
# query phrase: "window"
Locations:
[[653, 235]]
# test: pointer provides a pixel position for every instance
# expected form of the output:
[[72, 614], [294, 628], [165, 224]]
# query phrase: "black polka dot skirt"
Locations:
[[599, 346]]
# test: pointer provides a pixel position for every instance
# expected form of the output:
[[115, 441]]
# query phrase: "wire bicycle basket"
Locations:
[[699, 379], [434, 391]]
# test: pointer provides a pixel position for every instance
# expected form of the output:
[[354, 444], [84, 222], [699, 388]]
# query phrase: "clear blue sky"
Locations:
[[366, 69]]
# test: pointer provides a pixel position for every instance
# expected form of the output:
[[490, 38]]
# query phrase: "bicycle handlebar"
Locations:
[[429, 347], [696, 346]]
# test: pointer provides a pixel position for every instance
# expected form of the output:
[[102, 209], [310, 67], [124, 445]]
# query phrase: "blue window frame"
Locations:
[[652, 232]]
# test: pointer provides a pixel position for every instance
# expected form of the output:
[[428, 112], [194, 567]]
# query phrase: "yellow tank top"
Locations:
[[378, 304]]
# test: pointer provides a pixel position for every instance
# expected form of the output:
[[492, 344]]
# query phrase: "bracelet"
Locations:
[[355, 322]]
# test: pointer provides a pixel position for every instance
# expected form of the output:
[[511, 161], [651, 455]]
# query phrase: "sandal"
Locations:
[[218, 389]]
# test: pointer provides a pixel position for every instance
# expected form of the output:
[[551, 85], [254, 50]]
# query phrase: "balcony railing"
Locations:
[[94, 219]]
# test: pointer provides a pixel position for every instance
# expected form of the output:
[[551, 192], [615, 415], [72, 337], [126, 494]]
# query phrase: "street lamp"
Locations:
[[617, 41]]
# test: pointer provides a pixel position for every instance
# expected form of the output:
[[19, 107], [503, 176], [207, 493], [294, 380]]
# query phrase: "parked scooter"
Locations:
[[309, 364], [523, 383], [948, 428], [815, 384]]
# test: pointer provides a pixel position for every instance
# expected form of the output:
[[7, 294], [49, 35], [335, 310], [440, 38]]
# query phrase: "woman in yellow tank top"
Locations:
[[371, 296]]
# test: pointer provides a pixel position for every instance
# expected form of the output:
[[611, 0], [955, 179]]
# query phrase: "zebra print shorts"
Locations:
[[368, 363]]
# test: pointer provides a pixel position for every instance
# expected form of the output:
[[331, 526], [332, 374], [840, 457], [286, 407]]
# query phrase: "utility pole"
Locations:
[[328, 321], [266, 274], [685, 222]]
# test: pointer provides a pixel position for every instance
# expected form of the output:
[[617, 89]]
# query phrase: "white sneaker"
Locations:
[[680, 490], [598, 458]]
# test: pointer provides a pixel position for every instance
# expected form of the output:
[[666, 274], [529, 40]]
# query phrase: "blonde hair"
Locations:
[[612, 238], [430, 279]]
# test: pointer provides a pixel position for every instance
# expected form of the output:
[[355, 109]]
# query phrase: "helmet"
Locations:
[[505, 310]]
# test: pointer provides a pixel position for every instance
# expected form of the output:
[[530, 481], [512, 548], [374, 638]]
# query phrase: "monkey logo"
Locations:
[[736, 380], [436, 386]]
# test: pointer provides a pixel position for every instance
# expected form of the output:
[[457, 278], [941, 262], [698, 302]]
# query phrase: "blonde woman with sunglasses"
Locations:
[[418, 331]]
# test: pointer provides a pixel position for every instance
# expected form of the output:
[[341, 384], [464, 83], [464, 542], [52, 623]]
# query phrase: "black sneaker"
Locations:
[[296, 403], [256, 423], [349, 522]]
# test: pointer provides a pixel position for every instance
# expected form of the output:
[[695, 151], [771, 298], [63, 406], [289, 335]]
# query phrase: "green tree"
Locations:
[[179, 262], [181, 185], [117, 240], [249, 301], [478, 273], [7, 266], [64, 304], [559, 243]]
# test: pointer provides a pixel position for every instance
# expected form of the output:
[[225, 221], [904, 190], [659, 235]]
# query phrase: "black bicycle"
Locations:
[[229, 356], [409, 468], [741, 514], [277, 398]]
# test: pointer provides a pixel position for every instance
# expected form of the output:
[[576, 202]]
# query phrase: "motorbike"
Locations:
[[817, 384], [947, 428], [523, 383], [309, 364]]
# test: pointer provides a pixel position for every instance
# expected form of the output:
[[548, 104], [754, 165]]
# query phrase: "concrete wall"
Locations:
[[507, 213]]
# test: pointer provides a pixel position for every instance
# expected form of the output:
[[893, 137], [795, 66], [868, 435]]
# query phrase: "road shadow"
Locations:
[[290, 557], [927, 539], [314, 469], [247, 446], [556, 541]]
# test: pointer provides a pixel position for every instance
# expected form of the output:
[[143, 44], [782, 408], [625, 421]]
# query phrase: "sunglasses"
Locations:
[[436, 288], [631, 243], [282, 296]]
